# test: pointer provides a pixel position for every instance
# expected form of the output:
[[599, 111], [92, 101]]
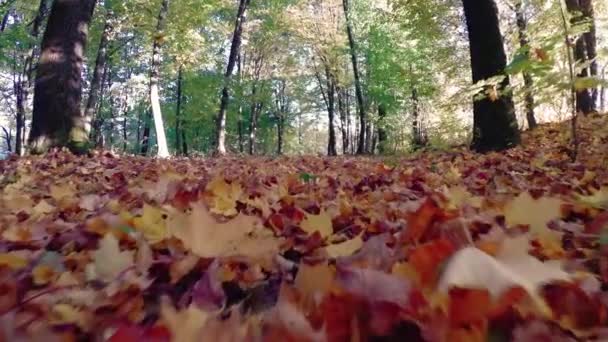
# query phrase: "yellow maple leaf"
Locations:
[[61, 191], [152, 224], [318, 223], [185, 325], [206, 237], [346, 248], [313, 279], [224, 196], [459, 196], [524, 210], [598, 199]]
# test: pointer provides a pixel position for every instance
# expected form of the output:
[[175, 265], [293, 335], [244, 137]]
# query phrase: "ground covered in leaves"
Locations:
[[448, 246]]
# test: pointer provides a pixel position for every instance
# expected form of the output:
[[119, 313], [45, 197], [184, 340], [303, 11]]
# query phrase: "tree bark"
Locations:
[[382, 133], [159, 127], [361, 148], [591, 43], [584, 97], [603, 91], [25, 81], [7, 138], [344, 119], [522, 28], [254, 112], [240, 122], [98, 76], [220, 134], [281, 109], [57, 118], [331, 111], [495, 124], [178, 114]]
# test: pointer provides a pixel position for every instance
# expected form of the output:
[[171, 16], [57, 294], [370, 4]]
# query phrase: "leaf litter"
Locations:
[[441, 246]]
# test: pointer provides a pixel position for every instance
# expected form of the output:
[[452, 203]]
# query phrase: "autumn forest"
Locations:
[[303, 170]]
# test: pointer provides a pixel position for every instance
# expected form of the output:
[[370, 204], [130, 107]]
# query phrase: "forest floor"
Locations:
[[443, 246]]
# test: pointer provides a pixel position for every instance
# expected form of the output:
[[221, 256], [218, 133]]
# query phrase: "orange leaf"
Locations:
[[468, 306], [421, 220], [426, 259]]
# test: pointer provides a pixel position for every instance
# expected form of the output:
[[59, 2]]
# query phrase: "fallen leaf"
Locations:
[[108, 260], [224, 196], [152, 224], [318, 223], [205, 237], [472, 268], [346, 248]]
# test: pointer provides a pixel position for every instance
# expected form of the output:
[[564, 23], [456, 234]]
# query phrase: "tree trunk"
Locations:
[[19, 88], [25, 80], [159, 127], [495, 124], [584, 97], [57, 117], [220, 134], [98, 75], [331, 109], [253, 119], [522, 28], [178, 114], [418, 139], [591, 43], [240, 123], [7, 138], [603, 91], [382, 134], [281, 108], [344, 119], [358, 88]]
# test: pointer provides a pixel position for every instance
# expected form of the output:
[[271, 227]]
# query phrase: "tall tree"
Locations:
[[98, 78], [57, 117], [159, 127], [495, 124], [220, 129], [181, 145], [522, 29], [590, 37], [24, 82], [361, 147], [584, 97]]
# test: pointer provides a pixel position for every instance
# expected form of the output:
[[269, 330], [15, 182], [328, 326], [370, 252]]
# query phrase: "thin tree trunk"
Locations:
[[98, 75], [382, 134], [603, 92], [253, 119], [4, 21], [584, 97], [178, 113], [591, 43], [331, 109], [522, 28], [57, 118], [8, 136], [25, 80], [159, 127], [495, 125], [20, 93], [220, 134], [358, 88], [240, 123]]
